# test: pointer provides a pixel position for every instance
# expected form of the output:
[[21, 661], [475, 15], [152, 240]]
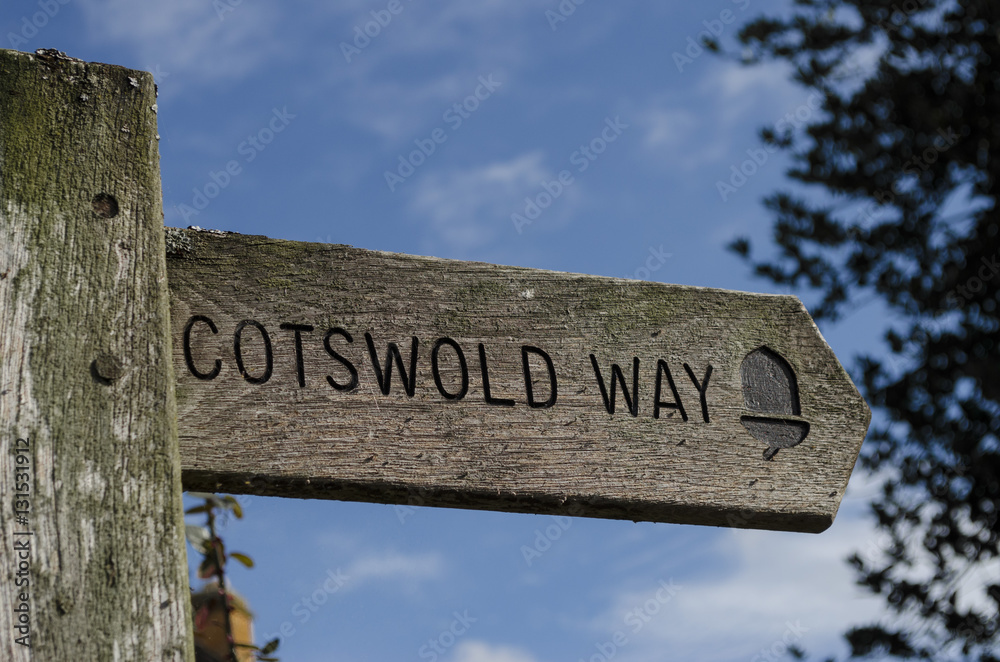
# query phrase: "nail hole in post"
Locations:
[[106, 369], [105, 205]]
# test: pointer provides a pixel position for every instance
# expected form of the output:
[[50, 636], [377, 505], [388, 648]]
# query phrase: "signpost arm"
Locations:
[[322, 371], [91, 520]]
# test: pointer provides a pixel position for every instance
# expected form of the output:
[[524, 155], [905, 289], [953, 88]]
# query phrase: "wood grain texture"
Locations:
[[295, 434], [85, 370]]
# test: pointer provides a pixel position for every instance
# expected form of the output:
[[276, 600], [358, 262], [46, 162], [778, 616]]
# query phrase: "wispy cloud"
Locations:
[[395, 566], [749, 603], [481, 651], [187, 39], [468, 208], [737, 92], [666, 127], [729, 94], [452, 43]]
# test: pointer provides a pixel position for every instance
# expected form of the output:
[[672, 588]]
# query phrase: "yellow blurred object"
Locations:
[[210, 625]]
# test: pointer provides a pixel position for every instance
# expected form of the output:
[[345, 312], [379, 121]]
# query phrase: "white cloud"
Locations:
[[480, 651], [774, 583], [666, 127], [186, 39], [734, 81], [451, 44], [468, 208], [735, 93], [395, 566], [447, 26], [377, 105], [367, 569], [731, 99], [678, 138]]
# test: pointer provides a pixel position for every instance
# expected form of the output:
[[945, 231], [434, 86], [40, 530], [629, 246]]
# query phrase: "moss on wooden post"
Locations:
[[85, 372]]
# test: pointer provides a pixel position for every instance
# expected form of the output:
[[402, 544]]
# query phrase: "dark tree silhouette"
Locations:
[[893, 198]]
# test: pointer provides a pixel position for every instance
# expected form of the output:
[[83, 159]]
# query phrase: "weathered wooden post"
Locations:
[[94, 561]]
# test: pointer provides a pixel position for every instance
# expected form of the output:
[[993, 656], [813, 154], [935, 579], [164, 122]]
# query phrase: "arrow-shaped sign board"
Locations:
[[325, 371]]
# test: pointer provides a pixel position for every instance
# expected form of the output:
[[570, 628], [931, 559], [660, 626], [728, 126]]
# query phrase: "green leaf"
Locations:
[[234, 505], [204, 508], [242, 558], [270, 646]]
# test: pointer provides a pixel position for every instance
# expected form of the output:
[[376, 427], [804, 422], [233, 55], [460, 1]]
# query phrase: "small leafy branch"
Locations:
[[205, 539]]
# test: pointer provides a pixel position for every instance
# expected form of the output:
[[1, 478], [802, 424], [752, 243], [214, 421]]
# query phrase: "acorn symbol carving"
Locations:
[[771, 393]]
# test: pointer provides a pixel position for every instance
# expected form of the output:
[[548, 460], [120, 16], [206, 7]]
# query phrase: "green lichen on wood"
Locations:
[[482, 293], [178, 243], [627, 309], [275, 283], [59, 103]]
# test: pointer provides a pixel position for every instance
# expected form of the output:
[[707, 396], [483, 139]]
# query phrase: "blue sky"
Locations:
[[279, 119]]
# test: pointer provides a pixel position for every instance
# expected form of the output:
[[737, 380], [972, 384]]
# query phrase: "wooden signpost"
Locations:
[[324, 371], [314, 370]]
